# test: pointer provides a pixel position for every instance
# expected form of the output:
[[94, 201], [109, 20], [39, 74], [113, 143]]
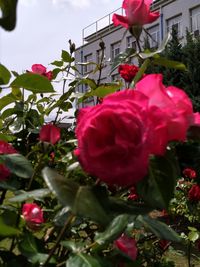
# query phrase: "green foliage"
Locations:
[[6, 230], [157, 188], [33, 82], [4, 75], [18, 165]]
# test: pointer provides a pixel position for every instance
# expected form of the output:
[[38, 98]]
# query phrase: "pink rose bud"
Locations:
[[5, 148], [128, 72], [137, 14], [33, 215], [189, 173], [127, 245], [49, 133]]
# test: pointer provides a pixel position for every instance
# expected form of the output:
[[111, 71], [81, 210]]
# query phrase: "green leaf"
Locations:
[[6, 100], [8, 112], [169, 63], [90, 82], [160, 229], [157, 188], [74, 246], [66, 57], [140, 72], [18, 165], [6, 230], [29, 249], [193, 236], [113, 231], [6, 137], [104, 90], [56, 71], [80, 199], [17, 93], [35, 194], [8, 17], [121, 58], [57, 63], [118, 206], [83, 260], [33, 82], [11, 184], [4, 75]]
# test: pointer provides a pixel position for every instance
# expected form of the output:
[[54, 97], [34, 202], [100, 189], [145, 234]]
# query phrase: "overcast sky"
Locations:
[[44, 28]]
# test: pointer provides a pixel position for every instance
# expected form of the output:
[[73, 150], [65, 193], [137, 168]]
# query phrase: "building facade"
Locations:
[[178, 14]]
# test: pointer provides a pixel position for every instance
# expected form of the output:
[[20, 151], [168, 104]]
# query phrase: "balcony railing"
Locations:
[[100, 24]]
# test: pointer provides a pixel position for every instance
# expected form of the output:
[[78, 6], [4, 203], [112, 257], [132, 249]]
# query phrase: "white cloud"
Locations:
[[73, 3], [28, 2]]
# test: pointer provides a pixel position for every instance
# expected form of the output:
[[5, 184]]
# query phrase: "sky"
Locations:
[[44, 28]]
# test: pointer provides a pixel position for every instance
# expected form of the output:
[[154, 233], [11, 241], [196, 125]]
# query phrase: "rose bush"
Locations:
[[137, 13], [124, 141]]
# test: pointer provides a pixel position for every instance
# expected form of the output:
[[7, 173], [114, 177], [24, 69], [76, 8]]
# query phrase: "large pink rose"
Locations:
[[175, 105], [137, 13], [114, 138]]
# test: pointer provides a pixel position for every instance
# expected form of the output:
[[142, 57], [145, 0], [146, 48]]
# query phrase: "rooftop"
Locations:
[[105, 24]]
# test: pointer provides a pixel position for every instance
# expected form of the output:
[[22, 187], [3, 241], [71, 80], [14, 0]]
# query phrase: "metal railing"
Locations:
[[100, 24]]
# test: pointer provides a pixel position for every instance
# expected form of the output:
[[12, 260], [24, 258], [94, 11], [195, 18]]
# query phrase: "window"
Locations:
[[195, 20], [115, 50], [175, 23], [131, 43], [88, 68], [154, 36]]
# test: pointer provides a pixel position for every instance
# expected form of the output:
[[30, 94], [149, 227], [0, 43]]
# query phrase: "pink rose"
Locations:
[[127, 245], [5, 148], [175, 105], [194, 193], [33, 215], [49, 133], [114, 138], [137, 13], [128, 72], [40, 69]]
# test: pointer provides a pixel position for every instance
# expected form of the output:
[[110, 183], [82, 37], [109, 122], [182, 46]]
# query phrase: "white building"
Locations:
[[181, 14]]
